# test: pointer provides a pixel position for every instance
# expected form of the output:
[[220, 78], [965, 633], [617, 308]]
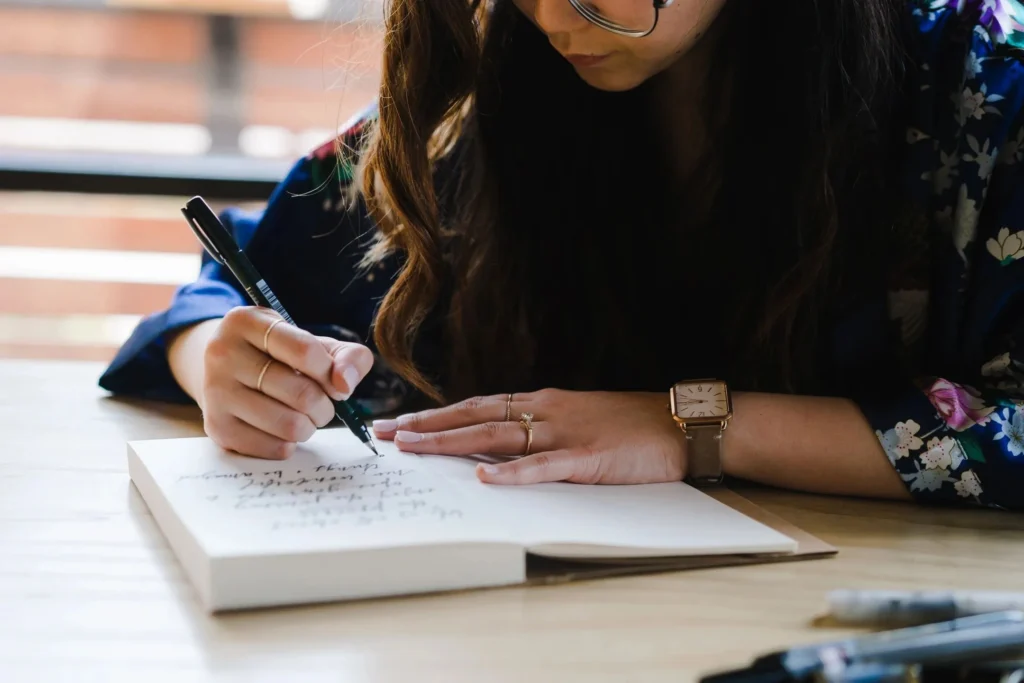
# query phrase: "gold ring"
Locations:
[[266, 335], [259, 381], [526, 420], [508, 409]]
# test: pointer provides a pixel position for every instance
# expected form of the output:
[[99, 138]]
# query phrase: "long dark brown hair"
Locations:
[[544, 240]]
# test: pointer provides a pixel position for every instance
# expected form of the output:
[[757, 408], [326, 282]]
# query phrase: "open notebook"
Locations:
[[335, 523]]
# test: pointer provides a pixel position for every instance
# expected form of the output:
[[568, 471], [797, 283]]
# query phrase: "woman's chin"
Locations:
[[610, 80]]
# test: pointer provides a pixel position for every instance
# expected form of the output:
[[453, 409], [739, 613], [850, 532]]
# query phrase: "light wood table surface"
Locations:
[[89, 590]]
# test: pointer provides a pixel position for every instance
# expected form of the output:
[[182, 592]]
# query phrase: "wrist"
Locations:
[[186, 356], [735, 453], [807, 443]]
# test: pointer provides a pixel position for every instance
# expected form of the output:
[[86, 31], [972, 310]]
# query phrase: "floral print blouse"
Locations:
[[953, 438]]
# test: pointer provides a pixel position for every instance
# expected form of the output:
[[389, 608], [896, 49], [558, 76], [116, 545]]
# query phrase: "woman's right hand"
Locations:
[[267, 419]]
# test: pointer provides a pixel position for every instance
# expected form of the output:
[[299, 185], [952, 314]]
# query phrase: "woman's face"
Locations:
[[612, 62]]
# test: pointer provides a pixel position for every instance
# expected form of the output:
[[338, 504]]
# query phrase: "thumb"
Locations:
[[352, 362]]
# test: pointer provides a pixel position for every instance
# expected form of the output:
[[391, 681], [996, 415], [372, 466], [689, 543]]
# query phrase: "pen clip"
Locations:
[[197, 228]]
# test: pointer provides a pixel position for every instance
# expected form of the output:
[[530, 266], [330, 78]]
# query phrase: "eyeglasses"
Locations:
[[632, 18]]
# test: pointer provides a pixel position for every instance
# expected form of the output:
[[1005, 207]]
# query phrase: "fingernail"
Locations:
[[489, 469], [351, 376], [408, 437], [385, 425]]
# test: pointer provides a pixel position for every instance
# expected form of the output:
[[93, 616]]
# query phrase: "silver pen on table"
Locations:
[[916, 607]]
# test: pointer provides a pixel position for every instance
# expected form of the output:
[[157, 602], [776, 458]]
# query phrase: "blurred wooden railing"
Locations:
[[70, 280], [147, 66]]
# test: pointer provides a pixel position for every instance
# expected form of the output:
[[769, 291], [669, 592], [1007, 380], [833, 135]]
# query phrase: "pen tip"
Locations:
[[372, 447]]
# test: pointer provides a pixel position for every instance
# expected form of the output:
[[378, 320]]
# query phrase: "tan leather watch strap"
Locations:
[[704, 454]]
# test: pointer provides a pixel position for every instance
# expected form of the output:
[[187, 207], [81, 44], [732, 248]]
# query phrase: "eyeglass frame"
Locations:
[[608, 25]]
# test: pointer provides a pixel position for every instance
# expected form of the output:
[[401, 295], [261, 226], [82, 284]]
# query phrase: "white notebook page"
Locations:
[[334, 494], [575, 520]]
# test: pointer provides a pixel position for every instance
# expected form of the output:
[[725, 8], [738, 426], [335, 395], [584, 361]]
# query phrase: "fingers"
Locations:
[[264, 413], [295, 347], [296, 391], [350, 364], [292, 389], [576, 466], [337, 366], [267, 415], [507, 438], [494, 438], [478, 410], [232, 434]]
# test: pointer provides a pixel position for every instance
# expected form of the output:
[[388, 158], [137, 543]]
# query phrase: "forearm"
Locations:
[[822, 445], [185, 355]]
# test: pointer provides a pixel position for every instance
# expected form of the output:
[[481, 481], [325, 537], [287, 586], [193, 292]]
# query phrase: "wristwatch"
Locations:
[[702, 408]]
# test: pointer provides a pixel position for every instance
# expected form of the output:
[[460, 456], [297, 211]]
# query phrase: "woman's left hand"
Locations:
[[581, 437]]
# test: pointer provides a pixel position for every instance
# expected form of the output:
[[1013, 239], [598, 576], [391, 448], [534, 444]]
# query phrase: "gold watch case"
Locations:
[[700, 402]]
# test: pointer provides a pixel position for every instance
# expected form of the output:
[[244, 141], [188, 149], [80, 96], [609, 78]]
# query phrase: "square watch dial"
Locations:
[[701, 400]]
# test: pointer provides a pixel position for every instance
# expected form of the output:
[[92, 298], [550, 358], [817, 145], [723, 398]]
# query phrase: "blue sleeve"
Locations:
[[308, 244]]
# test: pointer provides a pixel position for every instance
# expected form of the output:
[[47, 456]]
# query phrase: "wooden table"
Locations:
[[89, 591]]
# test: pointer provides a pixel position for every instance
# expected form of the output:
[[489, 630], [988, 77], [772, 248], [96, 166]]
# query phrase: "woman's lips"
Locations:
[[585, 60]]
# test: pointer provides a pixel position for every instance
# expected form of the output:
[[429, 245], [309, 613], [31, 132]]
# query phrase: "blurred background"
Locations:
[[113, 112]]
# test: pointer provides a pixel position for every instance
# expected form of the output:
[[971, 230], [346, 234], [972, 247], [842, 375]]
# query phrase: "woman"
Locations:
[[569, 210]]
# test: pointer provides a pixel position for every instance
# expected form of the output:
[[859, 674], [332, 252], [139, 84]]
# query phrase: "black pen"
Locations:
[[1009, 671], [880, 672], [224, 250], [974, 638]]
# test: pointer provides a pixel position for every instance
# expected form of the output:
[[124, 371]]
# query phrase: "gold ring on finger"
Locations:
[[263, 372], [508, 409], [266, 335], [526, 420]]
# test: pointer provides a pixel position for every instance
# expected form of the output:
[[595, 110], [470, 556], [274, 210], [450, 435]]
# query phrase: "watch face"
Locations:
[[701, 400]]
